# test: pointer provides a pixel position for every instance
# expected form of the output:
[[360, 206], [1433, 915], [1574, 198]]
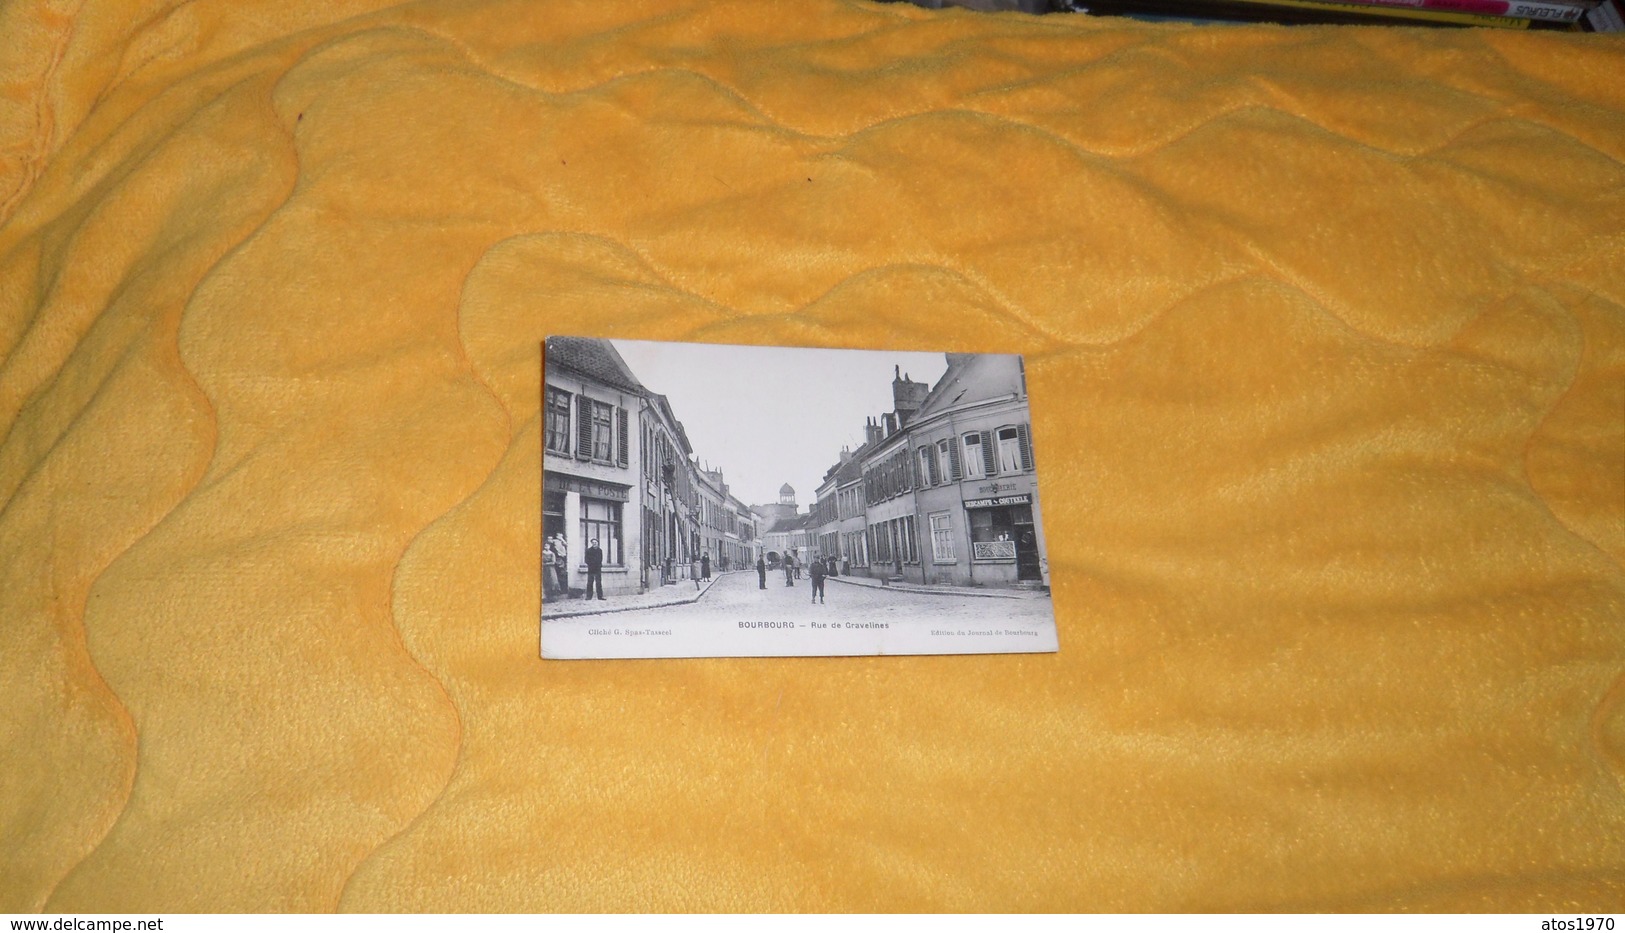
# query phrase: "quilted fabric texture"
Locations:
[[1325, 332]]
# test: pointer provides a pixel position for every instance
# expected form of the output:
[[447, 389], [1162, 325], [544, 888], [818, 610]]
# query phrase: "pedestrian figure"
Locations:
[[761, 573], [789, 571], [595, 571], [549, 581], [817, 573], [705, 566], [561, 566], [694, 572]]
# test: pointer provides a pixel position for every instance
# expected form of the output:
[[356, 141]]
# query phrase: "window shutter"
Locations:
[[936, 468], [583, 428], [990, 465], [955, 471], [919, 479], [1026, 445], [620, 435]]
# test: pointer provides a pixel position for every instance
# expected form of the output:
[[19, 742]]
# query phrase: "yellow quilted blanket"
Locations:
[[1325, 331]]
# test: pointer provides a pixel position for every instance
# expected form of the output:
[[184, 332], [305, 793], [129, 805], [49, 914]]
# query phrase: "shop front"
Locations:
[[585, 511], [1003, 539]]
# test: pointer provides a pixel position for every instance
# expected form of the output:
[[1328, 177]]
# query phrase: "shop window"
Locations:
[[602, 520], [552, 514], [994, 532]]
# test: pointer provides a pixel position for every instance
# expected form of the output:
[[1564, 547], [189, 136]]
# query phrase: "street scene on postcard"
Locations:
[[705, 500]]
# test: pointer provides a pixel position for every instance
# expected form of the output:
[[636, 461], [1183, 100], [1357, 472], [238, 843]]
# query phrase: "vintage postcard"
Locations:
[[702, 500]]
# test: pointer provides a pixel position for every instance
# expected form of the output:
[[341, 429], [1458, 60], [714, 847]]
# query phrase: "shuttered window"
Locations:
[[603, 431], [1009, 450], [623, 453], [558, 421], [596, 432], [583, 428], [975, 468], [948, 453]]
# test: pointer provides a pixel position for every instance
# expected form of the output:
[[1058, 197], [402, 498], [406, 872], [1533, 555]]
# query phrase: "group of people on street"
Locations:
[[818, 568], [556, 568]]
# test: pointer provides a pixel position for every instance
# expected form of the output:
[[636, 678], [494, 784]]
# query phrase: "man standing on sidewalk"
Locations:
[[761, 573], [595, 571]]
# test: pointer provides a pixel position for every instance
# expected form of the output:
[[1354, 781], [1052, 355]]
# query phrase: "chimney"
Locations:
[[907, 395], [890, 424], [871, 432]]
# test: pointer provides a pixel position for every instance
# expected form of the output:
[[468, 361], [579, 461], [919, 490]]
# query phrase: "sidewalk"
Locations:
[[676, 595], [942, 590]]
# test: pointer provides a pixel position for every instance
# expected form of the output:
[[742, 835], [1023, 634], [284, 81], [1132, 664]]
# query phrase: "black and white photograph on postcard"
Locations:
[[704, 500]]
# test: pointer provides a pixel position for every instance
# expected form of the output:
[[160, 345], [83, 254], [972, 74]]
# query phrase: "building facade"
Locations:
[[890, 534], [825, 522], [671, 501], [852, 522], [727, 526], [975, 480], [741, 541], [590, 456], [944, 489]]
